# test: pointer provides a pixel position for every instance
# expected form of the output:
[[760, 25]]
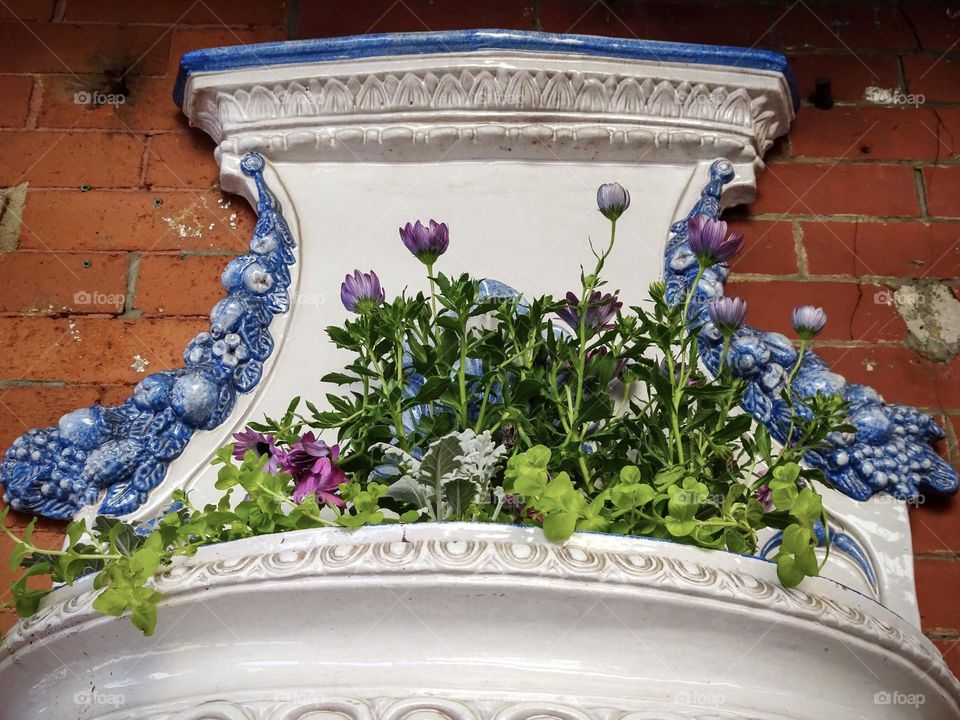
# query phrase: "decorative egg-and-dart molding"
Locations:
[[505, 135]]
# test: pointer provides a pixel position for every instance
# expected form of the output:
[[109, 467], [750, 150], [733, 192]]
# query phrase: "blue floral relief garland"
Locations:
[[891, 449], [125, 450]]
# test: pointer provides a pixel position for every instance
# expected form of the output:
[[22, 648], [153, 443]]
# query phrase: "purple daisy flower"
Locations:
[[727, 313], [303, 454], [361, 292], [322, 478], [601, 310], [808, 321], [612, 199], [709, 242], [260, 443], [426, 242]]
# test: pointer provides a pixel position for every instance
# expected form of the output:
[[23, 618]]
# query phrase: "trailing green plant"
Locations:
[[470, 403]]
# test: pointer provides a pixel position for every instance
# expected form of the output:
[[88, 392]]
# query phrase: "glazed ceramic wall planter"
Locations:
[[505, 136], [463, 622]]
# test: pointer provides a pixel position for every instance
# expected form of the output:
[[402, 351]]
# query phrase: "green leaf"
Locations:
[[560, 526], [111, 601], [409, 491], [807, 507], [338, 378], [432, 389]]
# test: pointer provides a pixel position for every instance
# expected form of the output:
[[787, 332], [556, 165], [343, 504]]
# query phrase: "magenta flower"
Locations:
[[808, 321], [322, 479], [709, 242], [426, 242], [765, 495], [601, 310], [361, 292], [727, 313], [261, 444], [303, 454], [612, 199]]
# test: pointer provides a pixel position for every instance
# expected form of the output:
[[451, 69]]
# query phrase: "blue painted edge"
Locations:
[[448, 41]]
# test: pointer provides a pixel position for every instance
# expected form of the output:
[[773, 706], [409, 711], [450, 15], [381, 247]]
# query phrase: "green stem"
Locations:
[[433, 289], [462, 374]]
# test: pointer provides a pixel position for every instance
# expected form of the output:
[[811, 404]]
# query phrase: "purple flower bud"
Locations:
[[765, 495], [426, 242], [361, 292], [612, 199], [601, 309], [808, 321], [709, 242], [727, 313]]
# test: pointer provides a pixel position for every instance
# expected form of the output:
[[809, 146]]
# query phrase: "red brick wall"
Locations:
[[122, 201]]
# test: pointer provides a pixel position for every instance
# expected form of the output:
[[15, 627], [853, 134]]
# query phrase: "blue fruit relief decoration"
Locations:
[[890, 450], [125, 450]]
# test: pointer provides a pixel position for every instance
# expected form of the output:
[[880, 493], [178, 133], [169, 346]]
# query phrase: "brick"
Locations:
[[844, 26], [80, 49], [63, 159], [331, 19], [143, 103], [897, 373], [23, 408], [768, 248], [115, 394], [850, 307], [92, 350], [948, 133], [899, 249], [934, 525], [187, 39], [181, 160], [179, 285], [942, 184], [53, 283], [27, 10], [840, 188], [934, 76], [866, 133], [138, 220], [950, 649], [15, 92], [938, 585], [936, 24], [212, 12], [679, 22], [850, 74]]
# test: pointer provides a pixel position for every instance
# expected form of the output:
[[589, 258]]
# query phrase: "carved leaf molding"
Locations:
[[520, 93]]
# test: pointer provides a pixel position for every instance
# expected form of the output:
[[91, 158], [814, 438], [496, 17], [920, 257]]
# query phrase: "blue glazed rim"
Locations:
[[426, 43]]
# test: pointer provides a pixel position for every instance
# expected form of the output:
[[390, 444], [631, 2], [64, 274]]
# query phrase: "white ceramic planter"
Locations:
[[466, 621]]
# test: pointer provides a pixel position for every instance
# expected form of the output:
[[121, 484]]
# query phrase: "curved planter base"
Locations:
[[475, 621]]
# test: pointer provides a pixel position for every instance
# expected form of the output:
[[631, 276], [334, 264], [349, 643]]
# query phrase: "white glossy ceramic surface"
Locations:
[[463, 622]]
